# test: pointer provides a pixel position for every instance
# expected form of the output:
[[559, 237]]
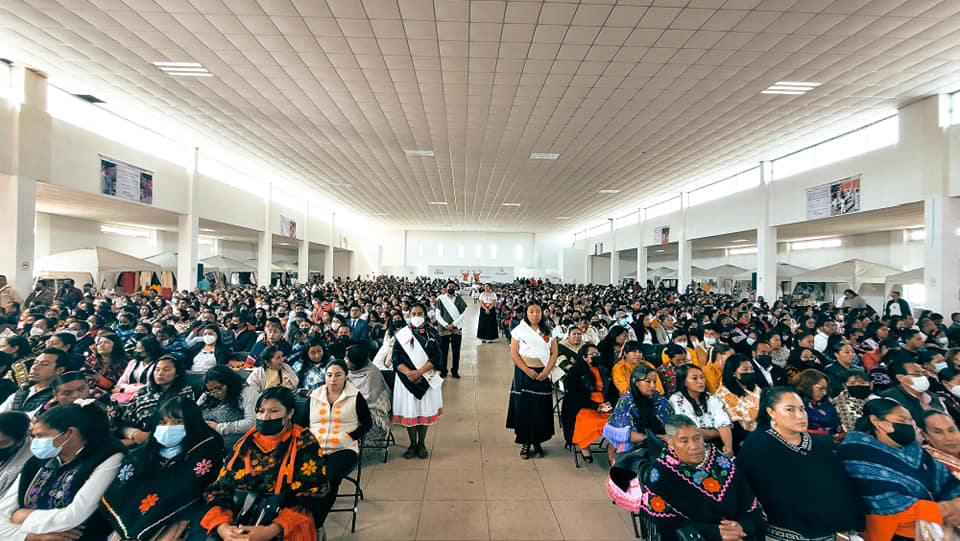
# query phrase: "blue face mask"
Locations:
[[709, 340], [44, 449], [751, 341], [170, 435]]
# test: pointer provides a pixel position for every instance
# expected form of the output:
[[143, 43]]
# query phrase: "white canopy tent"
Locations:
[[168, 268], [785, 274], [909, 283], [98, 266], [864, 277], [225, 266]]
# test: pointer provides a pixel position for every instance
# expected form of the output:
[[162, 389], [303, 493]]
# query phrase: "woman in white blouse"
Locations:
[[487, 322], [692, 400]]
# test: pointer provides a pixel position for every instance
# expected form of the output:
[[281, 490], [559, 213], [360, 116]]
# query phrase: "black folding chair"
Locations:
[[356, 494]]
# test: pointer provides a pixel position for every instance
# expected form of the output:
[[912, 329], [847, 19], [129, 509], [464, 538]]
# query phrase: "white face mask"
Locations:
[[335, 325], [919, 384], [36, 331], [209, 339], [417, 321], [955, 390]]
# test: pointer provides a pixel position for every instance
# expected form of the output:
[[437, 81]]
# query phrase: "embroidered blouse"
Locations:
[[713, 417]]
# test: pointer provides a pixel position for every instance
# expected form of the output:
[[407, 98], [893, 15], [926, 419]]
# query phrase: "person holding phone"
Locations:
[[587, 404]]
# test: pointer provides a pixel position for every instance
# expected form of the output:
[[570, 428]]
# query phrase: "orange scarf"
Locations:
[[268, 444]]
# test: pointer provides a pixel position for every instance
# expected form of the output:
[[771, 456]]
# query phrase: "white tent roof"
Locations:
[[785, 271], [225, 265], [725, 272], [166, 260], [854, 272], [914, 276], [97, 262], [279, 266]]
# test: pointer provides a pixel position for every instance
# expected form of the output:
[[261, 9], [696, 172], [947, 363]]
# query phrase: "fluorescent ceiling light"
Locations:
[[380, 214], [816, 244], [205, 241], [658, 251], [740, 240], [610, 191], [790, 88], [437, 202], [177, 65], [185, 70], [544, 156], [180, 74], [917, 234], [284, 244], [207, 230], [789, 92], [567, 218], [341, 184], [511, 204], [125, 231], [800, 83], [743, 251], [419, 153]]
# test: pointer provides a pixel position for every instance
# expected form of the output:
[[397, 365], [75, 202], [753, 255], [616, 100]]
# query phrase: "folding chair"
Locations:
[[644, 528], [558, 401], [382, 443], [593, 448], [356, 494]]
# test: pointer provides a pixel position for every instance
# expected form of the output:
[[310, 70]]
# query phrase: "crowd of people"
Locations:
[[238, 412]]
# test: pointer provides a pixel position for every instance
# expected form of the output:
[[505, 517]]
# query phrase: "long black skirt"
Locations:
[[487, 325], [530, 413]]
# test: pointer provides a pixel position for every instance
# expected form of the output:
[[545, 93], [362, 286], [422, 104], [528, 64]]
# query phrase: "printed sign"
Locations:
[[125, 181], [476, 274], [288, 227], [661, 234], [834, 199]]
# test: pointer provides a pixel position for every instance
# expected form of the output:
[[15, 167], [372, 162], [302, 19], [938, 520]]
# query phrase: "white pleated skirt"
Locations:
[[408, 411]]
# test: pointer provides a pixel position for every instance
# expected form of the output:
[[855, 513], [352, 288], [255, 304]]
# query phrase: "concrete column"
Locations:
[[303, 254], [642, 266], [587, 267], [403, 248], [265, 243], [684, 261], [189, 229], [23, 160], [941, 253], [768, 285], [614, 255], [328, 256]]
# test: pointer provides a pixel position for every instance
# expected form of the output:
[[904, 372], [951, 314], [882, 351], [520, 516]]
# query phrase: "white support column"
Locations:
[[17, 214], [303, 254], [265, 244], [642, 266], [684, 261], [614, 255], [587, 267], [941, 253], [189, 229], [328, 256], [768, 286]]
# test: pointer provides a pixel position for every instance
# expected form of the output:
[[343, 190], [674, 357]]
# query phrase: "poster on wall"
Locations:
[[288, 227], [834, 199], [598, 248], [661, 234], [120, 179]]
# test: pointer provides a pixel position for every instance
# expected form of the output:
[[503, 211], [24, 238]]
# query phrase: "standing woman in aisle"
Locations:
[[487, 322], [417, 400], [534, 352]]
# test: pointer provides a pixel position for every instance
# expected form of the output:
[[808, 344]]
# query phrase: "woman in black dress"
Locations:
[[487, 322]]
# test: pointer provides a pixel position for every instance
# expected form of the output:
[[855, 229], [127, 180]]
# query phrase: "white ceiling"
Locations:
[[641, 95]]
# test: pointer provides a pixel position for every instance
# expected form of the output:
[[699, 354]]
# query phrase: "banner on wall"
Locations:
[[126, 181], [598, 248], [288, 227], [472, 274], [834, 199], [661, 234]]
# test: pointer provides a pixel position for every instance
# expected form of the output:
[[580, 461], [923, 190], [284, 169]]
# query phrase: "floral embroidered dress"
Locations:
[[289, 463], [632, 415], [150, 490], [677, 494], [742, 409]]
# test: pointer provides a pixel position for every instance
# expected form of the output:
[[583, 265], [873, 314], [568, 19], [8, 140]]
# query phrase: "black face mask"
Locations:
[[903, 434], [764, 360], [270, 427], [451, 290], [859, 391], [139, 335], [748, 380]]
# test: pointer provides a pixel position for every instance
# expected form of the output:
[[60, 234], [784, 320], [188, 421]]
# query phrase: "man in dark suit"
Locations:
[[359, 328], [768, 374]]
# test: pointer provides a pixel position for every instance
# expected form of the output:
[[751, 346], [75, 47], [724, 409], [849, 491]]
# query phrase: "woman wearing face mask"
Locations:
[[339, 418], [740, 395], [167, 380], [74, 461], [159, 484], [587, 402], [849, 403], [227, 404], [14, 447], [137, 373], [781, 453], [384, 356], [103, 369], [281, 465], [898, 482], [417, 395], [210, 352], [274, 372]]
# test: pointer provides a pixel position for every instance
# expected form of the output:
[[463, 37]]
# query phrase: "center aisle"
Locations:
[[474, 484]]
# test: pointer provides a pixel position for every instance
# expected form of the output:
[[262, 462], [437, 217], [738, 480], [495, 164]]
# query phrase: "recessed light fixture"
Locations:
[[658, 251], [793, 88], [544, 156], [207, 230], [183, 69], [125, 231], [610, 191], [740, 240], [380, 214], [563, 217], [205, 241], [743, 251], [419, 153], [284, 244], [511, 204], [437, 202]]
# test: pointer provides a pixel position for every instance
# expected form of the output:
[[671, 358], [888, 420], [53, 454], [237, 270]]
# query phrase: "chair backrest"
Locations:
[[195, 381]]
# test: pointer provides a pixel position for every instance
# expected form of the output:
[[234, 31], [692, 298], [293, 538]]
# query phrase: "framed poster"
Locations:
[[288, 227], [126, 181], [661, 234], [834, 199]]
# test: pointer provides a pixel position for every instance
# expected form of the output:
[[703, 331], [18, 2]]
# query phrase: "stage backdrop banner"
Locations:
[[126, 181], [472, 274], [834, 199], [661, 234], [288, 227]]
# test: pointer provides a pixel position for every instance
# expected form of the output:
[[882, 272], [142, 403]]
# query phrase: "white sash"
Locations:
[[417, 355], [533, 340], [451, 307]]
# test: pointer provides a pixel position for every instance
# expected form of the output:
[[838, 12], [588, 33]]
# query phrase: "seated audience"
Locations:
[[286, 482], [272, 337], [339, 418], [228, 404], [740, 396], [366, 377], [796, 476], [20, 349], [844, 361], [947, 389], [210, 351], [942, 439], [632, 357], [676, 358], [273, 371], [715, 360], [897, 481], [567, 350], [104, 367], [912, 389], [167, 381], [586, 404], [822, 417], [691, 485], [639, 409], [857, 389], [692, 400], [30, 398], [68, 388], [14, 447], [160, 482], [312, 364], [74, 461], [137, 374]]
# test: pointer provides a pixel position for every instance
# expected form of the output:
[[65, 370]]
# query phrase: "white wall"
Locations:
[[59, 233], [505, 243]]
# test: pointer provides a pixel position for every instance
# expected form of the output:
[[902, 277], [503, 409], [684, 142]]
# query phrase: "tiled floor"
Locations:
[[474, 485]]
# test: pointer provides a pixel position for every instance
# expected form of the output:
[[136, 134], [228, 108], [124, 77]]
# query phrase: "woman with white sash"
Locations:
[[534, 352], [417, 400]]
